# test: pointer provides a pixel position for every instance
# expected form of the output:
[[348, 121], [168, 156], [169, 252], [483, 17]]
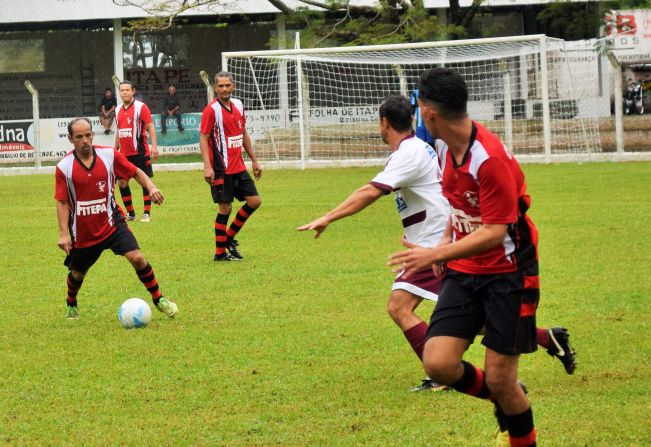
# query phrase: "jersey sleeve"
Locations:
[[61, 186], [497, 189], [399, 171], [207, 120], [123, 167], [145, 115]]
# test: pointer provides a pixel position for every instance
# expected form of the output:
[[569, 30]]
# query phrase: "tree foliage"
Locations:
[[331, 22]]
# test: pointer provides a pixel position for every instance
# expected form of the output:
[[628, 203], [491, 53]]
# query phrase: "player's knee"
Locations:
[[439, 368], [78, 276], [136, 259], [225, 208], [397, 310], [254, 202], [497, 384], [122, 183]]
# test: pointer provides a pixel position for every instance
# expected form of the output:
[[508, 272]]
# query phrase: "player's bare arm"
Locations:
[[63, 216], [154, 193], [204, 147], [248, 147], [356, 202], [154, 146], [417, 258]]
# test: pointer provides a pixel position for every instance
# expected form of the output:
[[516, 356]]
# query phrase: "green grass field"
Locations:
[[293, 347]]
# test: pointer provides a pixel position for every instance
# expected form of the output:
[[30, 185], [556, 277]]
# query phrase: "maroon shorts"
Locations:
[[422, 284]]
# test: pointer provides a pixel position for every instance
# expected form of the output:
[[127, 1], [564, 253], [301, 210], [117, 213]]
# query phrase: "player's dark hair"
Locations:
[[446, 89], [129, 83], [397, 110], [74, 121], [224, 74], [108, 89]]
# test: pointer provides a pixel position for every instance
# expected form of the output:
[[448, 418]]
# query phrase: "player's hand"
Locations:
[[438, 269], [414, 260], [154, 153], [318, 226], [65, 243], [257, 170], [208, 175], [156, 196]]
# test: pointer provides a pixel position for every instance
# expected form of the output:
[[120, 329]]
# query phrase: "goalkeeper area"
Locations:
[[544, 97]]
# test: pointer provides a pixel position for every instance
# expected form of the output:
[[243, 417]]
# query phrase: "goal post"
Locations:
[[320, 106]]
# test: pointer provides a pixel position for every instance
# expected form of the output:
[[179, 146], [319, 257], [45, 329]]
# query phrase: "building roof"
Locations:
[[35, 11]]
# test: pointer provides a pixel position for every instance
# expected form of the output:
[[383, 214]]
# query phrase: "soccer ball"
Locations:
[[134, 313]]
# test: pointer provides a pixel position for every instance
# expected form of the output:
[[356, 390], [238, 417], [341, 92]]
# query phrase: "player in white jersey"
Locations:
[[412, 172]]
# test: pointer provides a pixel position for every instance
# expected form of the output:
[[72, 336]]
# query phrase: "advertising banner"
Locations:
[[629, 34]]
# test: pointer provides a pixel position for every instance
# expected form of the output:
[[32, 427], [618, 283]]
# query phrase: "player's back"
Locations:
[[412, 172]]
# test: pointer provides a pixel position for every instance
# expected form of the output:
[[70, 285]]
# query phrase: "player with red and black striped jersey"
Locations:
[[223, 135], [134, 120], [490, 247], [89, 219]]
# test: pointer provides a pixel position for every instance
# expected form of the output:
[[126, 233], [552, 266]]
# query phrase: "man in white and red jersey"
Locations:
[[223, 135], [89, 219], [412, 172], [490, 247], [133, 122]]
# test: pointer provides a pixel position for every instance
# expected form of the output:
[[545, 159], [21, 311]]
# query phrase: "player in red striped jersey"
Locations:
[[89, 219], [223, 135], [134, 120], [490, 247]]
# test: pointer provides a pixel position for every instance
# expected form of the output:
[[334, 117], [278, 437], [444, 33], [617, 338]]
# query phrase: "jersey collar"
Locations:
[[473, 137], [92, 163]]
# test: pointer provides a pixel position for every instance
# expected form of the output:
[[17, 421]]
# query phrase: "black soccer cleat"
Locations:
[[233, 251], [559, 346], [429, 384], [225, 257]]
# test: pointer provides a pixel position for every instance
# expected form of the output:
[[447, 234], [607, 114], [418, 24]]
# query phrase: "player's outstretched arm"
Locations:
[[154, 193], [356, 202], [63, 216]]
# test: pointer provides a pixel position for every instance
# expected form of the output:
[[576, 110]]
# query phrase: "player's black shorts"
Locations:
[[504, 304], [143, 162], [237, 186], [120, 242]]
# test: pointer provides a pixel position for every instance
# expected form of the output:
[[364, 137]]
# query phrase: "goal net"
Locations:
[[321, 105]]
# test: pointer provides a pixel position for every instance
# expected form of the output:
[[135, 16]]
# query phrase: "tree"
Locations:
[[334, 22]]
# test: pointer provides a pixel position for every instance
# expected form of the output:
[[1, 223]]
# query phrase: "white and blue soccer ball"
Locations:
[[134, 313]]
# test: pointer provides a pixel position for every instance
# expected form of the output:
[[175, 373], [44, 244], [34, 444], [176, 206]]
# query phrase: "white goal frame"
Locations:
[[587, 134]]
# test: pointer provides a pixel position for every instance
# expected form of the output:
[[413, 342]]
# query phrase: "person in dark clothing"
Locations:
[[171, 108], [107, 107]]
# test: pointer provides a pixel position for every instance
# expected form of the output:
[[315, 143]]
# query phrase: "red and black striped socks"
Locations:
[[148, 278], [126, 198], [73, 289], [521, 429], [220, 233], [240, 219], [472, 382], [146, 201]]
